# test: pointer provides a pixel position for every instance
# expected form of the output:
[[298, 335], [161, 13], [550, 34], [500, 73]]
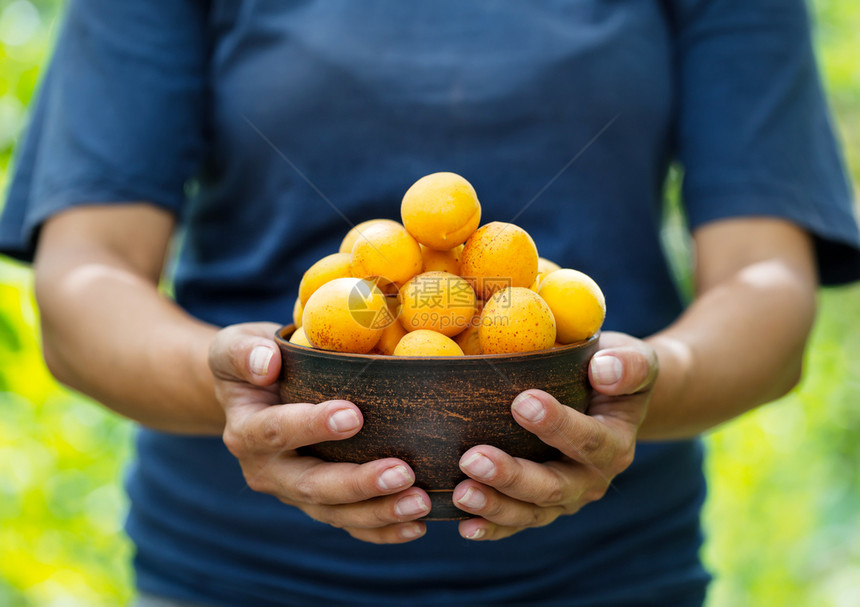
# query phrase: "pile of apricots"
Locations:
[[440, 285]]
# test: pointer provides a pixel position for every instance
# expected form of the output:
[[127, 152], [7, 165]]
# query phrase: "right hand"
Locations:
[[373, 502]]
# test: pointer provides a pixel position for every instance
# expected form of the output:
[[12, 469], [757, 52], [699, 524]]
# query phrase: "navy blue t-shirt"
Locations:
[[261, 124]]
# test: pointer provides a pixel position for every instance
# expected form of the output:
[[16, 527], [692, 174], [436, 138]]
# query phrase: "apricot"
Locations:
[[545, 266], [468, 340], [386, 250], [391, 336], [299, 338], [346, 315], [576, 302], [427, 343], [298, 308], [437, 301], [336, 265], [356, 233], [499, 255], [442, 261], [441, 210], [516, 319]]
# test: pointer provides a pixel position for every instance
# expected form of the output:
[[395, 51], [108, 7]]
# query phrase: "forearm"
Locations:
[[106, 329], [739, 345], [112, 336]]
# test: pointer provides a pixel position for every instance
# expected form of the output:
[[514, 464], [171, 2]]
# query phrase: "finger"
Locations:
[[581, 437], [280, 428], [308, 480], [374, 513], [623, 370], [556, 484], [242, 353], [479, 529], [501, 509], [391, 534], [615, 339], [239, 399]]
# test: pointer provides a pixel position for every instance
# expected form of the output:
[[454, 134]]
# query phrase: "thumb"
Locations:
[[623, 370], [237, 354]]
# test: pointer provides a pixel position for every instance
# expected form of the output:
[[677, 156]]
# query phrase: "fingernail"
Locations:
[[259, 362], [344, 421], [606, 370], [410, 506], [479, 465], [394, 478], [412, 531], [476, 534], [529, 407], [473, 499]]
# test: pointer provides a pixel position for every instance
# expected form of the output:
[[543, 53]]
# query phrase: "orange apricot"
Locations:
[[391, 336], [441, 210], [442, 261], [299, 338], [516, 319], [298, 308], [577, 304], [499, 255], [468, 340], [346, 315], [427, 343], [386, 250], [336, 265], [545, 266], [356, 233], [437, 301]]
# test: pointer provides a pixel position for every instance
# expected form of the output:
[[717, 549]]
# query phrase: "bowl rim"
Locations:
[[285, 330]]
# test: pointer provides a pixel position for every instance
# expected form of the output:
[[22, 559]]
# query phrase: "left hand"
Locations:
[[510, 494]]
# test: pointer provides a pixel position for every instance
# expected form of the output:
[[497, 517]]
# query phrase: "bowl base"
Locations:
[[442, 507]]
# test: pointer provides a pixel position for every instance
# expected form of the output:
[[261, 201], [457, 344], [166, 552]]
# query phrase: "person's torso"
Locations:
[[559, 113], [324, 113]]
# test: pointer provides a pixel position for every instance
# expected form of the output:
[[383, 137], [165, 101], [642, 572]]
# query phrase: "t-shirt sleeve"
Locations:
[[119, 116], [753, 134]]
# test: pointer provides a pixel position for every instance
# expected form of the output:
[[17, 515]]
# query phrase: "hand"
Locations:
[[510, 494], [374, 502]]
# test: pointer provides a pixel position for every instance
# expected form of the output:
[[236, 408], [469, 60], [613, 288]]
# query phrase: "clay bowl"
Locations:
[[430, 410]]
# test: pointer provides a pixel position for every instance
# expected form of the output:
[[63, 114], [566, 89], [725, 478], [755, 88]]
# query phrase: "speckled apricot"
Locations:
[[437, 301], [499, 255], [345, 315], [516, 319]]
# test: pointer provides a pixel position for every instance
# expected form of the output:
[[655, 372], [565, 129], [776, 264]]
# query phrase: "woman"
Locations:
[[253, 130]]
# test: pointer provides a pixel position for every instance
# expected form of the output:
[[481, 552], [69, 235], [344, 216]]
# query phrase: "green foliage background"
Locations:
[[782, 519]]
